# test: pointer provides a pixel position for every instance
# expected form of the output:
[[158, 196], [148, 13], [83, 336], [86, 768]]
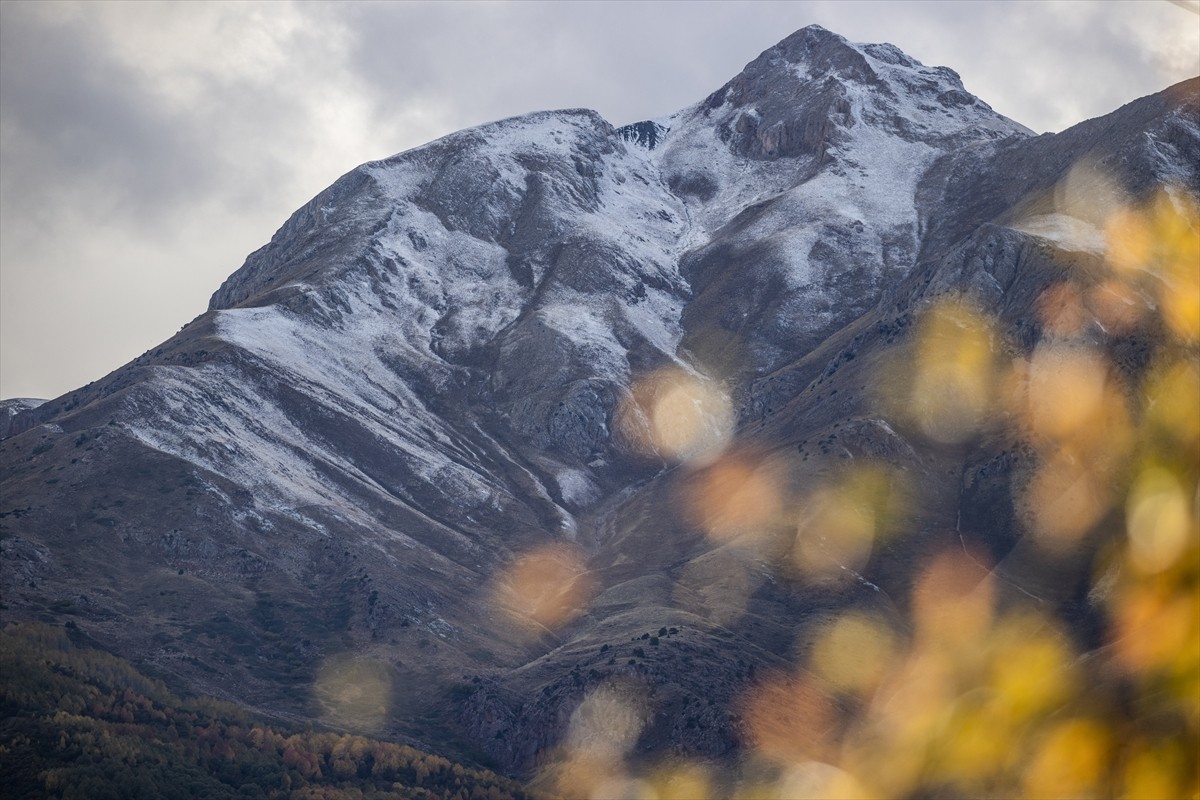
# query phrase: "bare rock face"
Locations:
[[421, 379]]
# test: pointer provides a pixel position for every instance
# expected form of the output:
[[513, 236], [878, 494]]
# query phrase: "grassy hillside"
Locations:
[[76, 722]]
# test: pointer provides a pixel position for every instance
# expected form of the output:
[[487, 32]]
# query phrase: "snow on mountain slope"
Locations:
[[816, 101], [541, 257], [417, 381], [430, 353], [807, 164], [10, 408]]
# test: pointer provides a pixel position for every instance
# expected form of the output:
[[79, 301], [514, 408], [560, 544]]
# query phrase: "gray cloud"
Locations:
[[145, 148], [73, 116]]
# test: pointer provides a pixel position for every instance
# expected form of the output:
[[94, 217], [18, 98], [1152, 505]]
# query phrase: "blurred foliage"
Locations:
[[984, 697], [983, 690], [81, 723]]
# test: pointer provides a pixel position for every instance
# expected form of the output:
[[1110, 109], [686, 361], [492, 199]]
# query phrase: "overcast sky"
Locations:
[[146, 149]]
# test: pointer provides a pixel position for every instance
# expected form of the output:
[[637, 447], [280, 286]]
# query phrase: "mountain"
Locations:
[[461, 380]]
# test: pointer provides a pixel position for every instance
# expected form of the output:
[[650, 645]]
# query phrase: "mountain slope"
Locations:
[[438, 366]]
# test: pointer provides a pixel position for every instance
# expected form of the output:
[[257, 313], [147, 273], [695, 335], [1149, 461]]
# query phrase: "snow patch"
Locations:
[[575, 487], [1067, 232]]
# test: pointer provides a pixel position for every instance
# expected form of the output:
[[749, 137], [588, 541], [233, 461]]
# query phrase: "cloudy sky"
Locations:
[[146, 149]]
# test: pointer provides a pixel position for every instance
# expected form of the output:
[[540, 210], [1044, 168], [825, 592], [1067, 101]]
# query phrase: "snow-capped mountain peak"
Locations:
[[423, 376]]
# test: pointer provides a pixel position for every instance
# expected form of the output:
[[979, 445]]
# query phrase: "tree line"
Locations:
[[76, 722]]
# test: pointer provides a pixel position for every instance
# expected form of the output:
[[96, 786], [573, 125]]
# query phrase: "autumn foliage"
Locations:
[[81, 723]]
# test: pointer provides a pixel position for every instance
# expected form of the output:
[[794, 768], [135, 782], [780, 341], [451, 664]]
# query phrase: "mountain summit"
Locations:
[[460, 380]]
